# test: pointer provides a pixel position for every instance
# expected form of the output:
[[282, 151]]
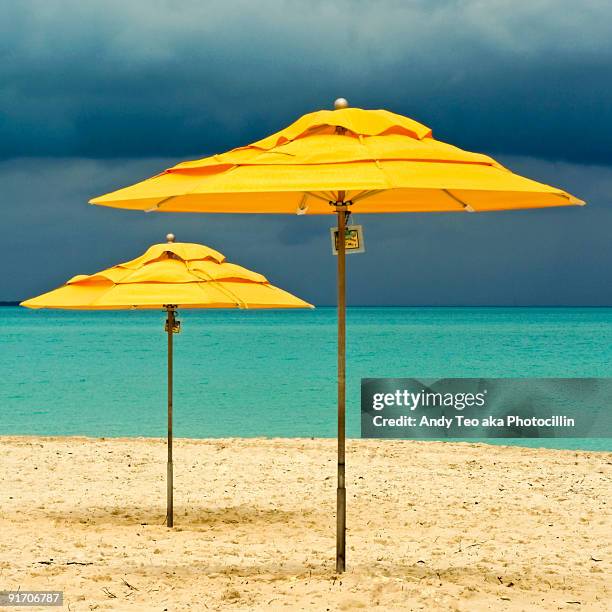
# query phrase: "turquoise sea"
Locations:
[[269, 373]]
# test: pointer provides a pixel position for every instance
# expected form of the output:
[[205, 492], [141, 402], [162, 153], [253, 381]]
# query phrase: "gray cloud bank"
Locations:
[[158, 78]]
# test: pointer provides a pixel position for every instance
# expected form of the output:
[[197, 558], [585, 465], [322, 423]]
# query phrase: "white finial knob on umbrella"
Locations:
[[170, 237], [341, 103]]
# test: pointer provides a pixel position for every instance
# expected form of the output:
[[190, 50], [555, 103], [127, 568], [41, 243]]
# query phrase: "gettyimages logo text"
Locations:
[[428, 399]]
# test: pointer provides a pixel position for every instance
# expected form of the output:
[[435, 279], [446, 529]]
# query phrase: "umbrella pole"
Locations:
[[341, 491], [169, 474]]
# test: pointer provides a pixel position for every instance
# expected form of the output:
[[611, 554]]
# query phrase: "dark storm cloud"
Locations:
[[141, 78], [97, 95]]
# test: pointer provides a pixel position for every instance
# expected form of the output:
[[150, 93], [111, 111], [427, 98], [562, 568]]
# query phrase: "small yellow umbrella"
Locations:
[[168, 276], [338, 162]]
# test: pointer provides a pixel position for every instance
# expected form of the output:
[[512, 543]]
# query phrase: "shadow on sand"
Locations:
[[184, 519]]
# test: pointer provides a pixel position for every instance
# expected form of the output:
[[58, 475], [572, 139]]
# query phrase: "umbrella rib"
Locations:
[[465, 205], [208, 279], [97, 300], [229, 294], [325, 197], [365, 194], [158, 205], [329, 196]]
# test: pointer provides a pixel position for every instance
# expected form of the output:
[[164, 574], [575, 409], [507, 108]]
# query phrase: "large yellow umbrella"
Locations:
[[338, 162], [168, 276]]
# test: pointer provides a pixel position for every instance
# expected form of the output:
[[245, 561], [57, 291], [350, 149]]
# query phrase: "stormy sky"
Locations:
[[96, 95]]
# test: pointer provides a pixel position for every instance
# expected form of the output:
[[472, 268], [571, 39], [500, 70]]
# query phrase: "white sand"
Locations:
[[432, 526]]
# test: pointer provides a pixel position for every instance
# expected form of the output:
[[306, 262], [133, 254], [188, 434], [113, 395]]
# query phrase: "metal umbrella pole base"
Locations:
[[342, 213], [172, 327]]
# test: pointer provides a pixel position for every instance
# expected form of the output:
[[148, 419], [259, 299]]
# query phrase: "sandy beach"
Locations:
[[432, 526]]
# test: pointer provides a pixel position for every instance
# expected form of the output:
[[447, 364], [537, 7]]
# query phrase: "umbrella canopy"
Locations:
[[379, 161], [166, 276], [183, 274]]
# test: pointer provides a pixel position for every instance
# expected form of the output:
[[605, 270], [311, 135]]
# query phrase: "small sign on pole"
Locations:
[[353, 239]]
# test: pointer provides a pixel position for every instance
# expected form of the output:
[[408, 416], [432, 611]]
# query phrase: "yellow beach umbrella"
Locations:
[[338, 162], [169, 276]]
